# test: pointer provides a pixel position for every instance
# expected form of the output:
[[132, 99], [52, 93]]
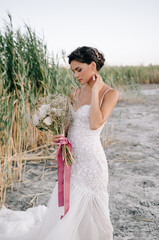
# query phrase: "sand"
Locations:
[[133, 159], [134, 167]]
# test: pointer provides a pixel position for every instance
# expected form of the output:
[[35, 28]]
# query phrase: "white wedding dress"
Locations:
[[88, 215]]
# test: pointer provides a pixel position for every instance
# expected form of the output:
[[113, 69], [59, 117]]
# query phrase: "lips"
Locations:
[[79, 80]]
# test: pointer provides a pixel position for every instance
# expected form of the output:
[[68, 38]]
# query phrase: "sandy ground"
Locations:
[[134, 168], [133, 159]]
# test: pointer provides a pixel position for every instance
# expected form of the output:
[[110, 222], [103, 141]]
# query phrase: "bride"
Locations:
[[88, 216]]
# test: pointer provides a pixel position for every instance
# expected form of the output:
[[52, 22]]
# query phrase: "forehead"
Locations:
[[75, 64]]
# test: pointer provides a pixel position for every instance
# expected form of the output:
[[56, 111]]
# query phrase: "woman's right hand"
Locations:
[[56, 138]]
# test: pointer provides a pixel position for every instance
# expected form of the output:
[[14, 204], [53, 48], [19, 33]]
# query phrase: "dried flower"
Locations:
[[35, 119], [47, 121], [54, 114]]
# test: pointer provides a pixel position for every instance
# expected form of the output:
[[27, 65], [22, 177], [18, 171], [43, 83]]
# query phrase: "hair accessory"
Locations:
[[97, 54]]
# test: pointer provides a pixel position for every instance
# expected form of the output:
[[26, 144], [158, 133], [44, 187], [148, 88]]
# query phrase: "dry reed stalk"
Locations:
[[35, 158], [38, 148], [144, 219], [2, 195], [32, 201], [123, 160], [13, 155], [130, 93]]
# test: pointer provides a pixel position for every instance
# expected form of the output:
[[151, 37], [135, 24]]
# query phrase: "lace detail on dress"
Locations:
[[75, 99], [90, 170]]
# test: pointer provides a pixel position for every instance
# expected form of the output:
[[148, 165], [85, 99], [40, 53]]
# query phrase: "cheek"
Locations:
[[85, 72]]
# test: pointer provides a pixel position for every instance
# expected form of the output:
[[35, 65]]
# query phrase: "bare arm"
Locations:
[[99, 115]]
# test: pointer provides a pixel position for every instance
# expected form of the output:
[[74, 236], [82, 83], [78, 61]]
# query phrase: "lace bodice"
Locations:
[[90, 170], [80, 119]]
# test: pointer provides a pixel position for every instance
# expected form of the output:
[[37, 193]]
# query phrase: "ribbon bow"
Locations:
[[64, 172]]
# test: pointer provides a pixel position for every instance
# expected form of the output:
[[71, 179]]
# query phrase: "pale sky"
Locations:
[[126, 31]]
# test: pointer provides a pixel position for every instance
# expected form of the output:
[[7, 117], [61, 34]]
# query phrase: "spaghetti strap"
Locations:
[[74, 94], [103, 96]]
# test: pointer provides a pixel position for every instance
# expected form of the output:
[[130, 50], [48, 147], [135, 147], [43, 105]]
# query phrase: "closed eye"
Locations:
[[78, 70]]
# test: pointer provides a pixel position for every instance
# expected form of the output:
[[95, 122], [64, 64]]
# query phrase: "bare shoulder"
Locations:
[[111, 91], [114, 93], [111, 97]]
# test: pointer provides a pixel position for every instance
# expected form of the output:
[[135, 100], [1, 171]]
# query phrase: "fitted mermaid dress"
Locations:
[[88, 216]]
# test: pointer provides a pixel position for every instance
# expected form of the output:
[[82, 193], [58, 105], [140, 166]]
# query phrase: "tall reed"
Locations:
[[130, 75], [27, 72]]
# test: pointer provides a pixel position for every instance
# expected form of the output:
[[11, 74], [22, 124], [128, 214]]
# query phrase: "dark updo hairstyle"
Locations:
[[87, 55]]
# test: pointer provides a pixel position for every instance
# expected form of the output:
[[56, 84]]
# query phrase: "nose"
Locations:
[[75, 74]]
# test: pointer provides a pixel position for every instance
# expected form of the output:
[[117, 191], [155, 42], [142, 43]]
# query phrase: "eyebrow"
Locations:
[[75, 69]]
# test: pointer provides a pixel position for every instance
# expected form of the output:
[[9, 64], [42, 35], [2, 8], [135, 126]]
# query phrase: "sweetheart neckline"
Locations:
[[83, 106], [89, 104], [79, 107]]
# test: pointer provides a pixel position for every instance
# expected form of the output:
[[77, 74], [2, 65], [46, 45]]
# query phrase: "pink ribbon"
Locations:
[[64, 173]]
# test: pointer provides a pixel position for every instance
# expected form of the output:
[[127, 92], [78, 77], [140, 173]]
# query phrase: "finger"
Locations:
[[97, 74], [57, 136], [99, 78], [60, 136], [57, 144]]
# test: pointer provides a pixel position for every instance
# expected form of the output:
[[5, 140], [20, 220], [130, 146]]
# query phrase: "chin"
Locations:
[[82, 83]]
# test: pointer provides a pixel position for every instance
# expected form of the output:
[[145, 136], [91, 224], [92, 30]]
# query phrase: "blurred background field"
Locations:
[[28, 72]]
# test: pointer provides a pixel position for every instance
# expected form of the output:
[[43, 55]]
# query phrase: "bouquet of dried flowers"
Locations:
[[54, 114]]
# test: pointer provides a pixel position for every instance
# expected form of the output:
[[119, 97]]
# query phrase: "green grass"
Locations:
[[27, 72]]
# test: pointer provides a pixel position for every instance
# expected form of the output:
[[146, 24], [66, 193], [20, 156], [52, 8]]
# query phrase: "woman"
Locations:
[[88, 215]]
